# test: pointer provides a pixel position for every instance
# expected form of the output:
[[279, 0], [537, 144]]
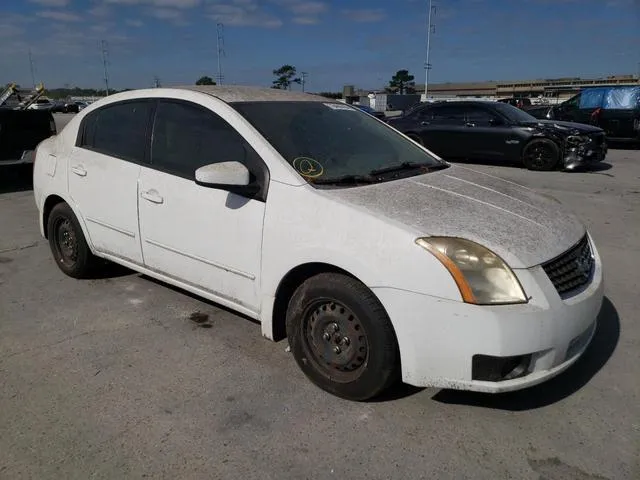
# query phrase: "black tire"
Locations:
[[368, 360], [416, 138], [541, 154], [68, 245]]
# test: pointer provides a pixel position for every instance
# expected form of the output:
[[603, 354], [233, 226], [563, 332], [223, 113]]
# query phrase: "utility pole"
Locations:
[[304, 79], [156, 82], [431, 28], [105, 59], [33, 75], [220, 30]]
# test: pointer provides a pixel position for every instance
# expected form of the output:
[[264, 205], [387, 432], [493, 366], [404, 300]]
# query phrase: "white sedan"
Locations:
[[376, 259]]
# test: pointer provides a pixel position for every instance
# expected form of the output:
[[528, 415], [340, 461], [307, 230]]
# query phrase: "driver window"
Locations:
[[187, 137]]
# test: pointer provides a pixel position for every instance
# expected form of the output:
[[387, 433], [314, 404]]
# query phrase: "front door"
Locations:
[[489, 137], [207, 238], [103, 172]]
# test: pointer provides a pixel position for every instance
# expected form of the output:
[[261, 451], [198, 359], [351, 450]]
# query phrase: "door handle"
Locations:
[[152, 196], [79, 170], [423, 123], [470, 124]]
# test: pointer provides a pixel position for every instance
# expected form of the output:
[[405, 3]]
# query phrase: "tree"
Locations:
[[402, 83], [205, 81], [285, 76]]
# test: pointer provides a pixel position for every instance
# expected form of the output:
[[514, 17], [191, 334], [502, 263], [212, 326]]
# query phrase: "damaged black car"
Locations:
[[494, 131]]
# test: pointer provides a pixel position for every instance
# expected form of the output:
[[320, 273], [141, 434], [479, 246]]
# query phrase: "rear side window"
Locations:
[[118, 130], [187, 137]]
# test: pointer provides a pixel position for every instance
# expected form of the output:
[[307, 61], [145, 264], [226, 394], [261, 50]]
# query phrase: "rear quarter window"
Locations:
[[118, 130]]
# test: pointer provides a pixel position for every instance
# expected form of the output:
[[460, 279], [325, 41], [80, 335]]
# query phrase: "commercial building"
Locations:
[[551, 88]]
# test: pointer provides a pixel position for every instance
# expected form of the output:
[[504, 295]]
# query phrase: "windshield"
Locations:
[[325, 141], [514, 114]]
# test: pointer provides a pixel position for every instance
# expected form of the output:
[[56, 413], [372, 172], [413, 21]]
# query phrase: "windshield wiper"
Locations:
[[344, 179], [408, 166]]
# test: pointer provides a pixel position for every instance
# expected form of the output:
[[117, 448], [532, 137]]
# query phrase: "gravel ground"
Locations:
[[111, 378]]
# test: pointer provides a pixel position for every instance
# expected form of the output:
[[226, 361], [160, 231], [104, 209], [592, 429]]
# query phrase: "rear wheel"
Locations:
[[541, 154], [68, 245], [342, 338]]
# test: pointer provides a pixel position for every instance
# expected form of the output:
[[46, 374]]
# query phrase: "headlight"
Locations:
[[482, 277]]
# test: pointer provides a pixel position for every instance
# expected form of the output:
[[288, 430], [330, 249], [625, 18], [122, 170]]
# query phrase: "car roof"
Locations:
[[240, 93]]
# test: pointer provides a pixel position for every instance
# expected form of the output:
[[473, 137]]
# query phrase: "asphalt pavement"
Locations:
[[125, 377]]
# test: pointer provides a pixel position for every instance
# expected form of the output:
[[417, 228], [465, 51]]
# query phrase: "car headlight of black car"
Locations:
[[577, 140]]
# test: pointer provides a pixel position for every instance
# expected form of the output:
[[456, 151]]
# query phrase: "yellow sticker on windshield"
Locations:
[[308, 167]]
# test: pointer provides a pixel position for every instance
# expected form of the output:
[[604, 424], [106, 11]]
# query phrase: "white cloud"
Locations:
[[366, 15], [58, 15], [244, 13], [158, 3], [306, 20], [51, 3]]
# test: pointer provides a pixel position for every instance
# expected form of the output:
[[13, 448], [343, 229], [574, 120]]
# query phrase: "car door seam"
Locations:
[[220, 266]]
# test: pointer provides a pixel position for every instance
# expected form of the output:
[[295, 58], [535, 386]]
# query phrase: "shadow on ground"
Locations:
[[16, 178], [595, 357]]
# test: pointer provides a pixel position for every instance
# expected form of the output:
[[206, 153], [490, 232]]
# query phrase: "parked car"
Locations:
[[542, 112], [41, 104], [20, 133], [519, 102], [497, 131], [615, 109], [371, 111], [375, 258]]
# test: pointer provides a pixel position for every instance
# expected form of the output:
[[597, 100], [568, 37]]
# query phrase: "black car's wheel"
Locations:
[[342, 338], [68, 245], [416, 138], [541, 154]]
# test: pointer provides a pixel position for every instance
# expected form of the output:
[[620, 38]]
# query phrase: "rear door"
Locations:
[[104, 167], [443, 130]]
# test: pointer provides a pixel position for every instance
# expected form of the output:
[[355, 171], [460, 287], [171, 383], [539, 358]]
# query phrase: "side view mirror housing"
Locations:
[[230, 176]]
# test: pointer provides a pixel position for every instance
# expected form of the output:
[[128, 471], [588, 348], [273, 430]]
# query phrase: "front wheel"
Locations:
[[342, 338], [541, 154]]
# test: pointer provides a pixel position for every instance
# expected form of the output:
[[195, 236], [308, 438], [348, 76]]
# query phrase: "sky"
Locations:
[[337, 42]]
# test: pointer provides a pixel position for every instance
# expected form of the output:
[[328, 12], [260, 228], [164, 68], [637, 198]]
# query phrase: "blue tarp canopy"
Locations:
[[625, 98]]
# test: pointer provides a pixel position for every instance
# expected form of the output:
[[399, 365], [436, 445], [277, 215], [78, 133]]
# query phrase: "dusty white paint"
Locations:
[[236, 251]]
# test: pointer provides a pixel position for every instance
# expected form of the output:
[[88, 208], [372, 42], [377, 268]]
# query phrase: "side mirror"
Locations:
[[230, 176]]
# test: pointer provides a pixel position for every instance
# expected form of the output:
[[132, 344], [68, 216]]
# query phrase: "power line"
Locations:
[[105, 60], [221, 52], [431, 28]]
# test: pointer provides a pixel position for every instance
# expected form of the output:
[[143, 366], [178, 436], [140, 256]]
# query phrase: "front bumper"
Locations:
[[592, 151], [439, 339]]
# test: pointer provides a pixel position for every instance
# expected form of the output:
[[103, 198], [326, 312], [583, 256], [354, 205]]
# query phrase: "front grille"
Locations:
[[572, 269]]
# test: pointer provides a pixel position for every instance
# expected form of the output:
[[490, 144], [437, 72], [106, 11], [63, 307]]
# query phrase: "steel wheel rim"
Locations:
[[66, 241], [334, 340], [539, 156]]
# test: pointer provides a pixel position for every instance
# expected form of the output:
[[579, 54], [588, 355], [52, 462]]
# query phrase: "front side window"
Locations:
[[118, 130], [450, 114], [187, 137], [479, 116], [324, 142]]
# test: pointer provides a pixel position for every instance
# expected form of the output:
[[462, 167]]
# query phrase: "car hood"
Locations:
[[565, 127], [523, 227]]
